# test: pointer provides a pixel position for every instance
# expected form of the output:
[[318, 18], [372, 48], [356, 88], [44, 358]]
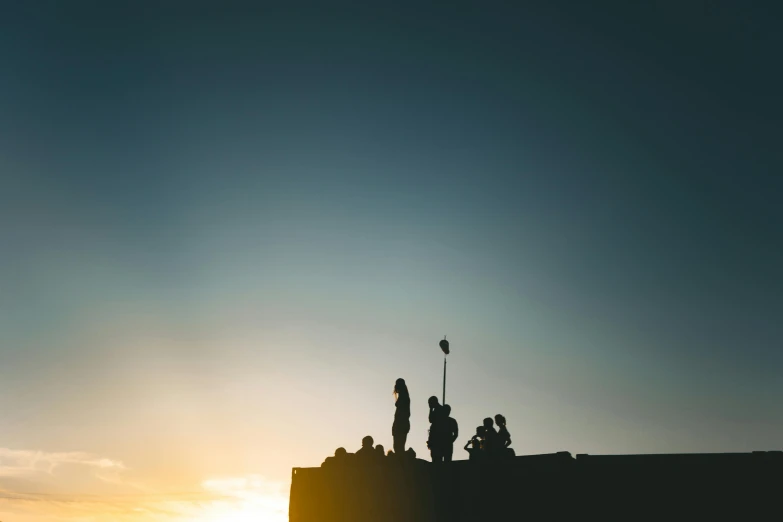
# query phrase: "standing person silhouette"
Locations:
[[434, 405], [451, 432], [402, 416], [437, 429]]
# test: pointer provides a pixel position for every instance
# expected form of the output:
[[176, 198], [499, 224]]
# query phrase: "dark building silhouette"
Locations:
[[725, 486]]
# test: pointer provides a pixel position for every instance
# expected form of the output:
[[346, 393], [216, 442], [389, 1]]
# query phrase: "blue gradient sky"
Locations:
[[227, 230]]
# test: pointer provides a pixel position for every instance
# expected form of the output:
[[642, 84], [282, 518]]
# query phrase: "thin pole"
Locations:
[[444, 379]]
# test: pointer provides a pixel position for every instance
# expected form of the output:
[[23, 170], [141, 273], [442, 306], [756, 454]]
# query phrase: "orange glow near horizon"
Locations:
[[224, 499], [255, 508]]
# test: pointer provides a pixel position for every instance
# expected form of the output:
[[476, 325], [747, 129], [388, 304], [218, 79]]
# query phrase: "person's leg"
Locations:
[[399, 443], [448, 452], [437, 454]]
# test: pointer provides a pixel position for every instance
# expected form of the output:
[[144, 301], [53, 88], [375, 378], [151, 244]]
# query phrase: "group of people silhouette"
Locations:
[[368, 453], [488, 442]]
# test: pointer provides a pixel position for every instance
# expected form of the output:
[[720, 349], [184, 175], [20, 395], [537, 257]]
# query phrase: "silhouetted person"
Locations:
[[410, 453], [390, 453], [434, 417], [340, 458], [367, 451], [402, 416], [440, 437], [434, 408], [474, 445], [490, 437], [380, 452], [451, 432], [504, 437]]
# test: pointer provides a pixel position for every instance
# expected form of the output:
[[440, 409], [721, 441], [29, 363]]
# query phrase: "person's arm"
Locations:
[[467, 444], [506, 438]]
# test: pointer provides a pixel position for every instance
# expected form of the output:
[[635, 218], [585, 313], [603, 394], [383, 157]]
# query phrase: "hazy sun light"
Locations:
[[247, 499]]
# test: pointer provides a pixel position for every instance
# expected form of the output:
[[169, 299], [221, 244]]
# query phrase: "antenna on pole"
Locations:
[[444, 345]]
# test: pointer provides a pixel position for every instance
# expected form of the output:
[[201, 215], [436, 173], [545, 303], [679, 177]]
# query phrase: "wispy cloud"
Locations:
[[240, 498], [16, 463]]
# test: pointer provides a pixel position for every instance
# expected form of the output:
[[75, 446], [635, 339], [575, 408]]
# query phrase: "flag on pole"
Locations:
[[444, 345]]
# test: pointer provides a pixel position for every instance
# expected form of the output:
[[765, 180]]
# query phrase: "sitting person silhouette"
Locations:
[[491, 444], [340, 458], [367, 451], [504, 437], [380, 452], [473, 446]]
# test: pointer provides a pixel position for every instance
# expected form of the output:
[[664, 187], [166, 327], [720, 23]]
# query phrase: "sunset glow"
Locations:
[[228, 228], [233, 499]]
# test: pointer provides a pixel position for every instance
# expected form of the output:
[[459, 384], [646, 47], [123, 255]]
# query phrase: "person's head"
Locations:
[[367, 442], [488, 424], [400, 388], [410, 453], [480, 431], [380, 450], [390, 453], [446, 410], [433, 402], [500, 420], [340, 453]]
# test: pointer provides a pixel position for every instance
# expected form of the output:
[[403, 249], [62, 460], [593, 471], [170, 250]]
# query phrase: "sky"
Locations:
[[227, 228]]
